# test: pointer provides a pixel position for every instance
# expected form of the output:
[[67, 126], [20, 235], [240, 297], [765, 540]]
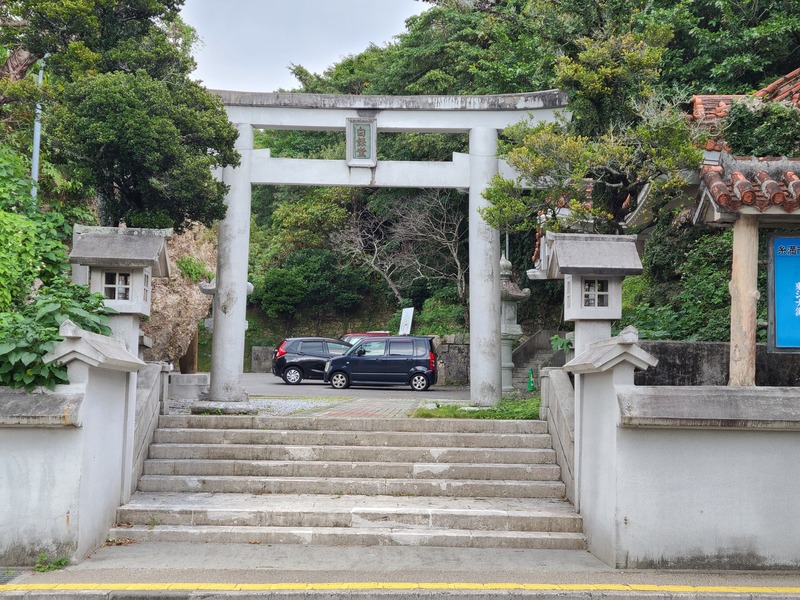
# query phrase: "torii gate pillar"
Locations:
[[484, 275], [230, 299]]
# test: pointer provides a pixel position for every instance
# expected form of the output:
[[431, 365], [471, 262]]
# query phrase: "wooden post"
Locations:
[[744, 297]]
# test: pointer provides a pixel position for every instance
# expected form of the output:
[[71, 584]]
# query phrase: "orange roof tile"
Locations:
[[785, 88], [754, 182]]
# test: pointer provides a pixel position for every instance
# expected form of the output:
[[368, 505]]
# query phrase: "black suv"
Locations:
[[394, 360], [296, 359]]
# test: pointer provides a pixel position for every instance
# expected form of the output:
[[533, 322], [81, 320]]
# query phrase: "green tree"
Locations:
[[449, 49], [727, 46], [123, 115], [150, 156], [310, 283]]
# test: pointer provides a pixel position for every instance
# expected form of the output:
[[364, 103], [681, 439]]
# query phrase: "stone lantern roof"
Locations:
[[587, 254], [121, 247]]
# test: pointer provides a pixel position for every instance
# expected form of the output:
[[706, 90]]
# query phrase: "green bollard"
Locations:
[[531, 381]]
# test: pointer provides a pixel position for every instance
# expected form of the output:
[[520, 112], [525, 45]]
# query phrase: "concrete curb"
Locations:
[[390, 590]]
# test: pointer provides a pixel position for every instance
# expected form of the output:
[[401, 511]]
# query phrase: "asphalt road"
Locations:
[[268, 385]]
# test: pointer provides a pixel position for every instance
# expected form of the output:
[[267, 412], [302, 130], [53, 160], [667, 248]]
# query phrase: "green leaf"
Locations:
[[27, 358]]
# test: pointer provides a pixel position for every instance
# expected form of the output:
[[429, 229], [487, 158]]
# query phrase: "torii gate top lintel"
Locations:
[[527, 100], [275, 110]]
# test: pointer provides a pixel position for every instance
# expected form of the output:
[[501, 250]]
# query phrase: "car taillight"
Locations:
[[431, 361], [281, 350]]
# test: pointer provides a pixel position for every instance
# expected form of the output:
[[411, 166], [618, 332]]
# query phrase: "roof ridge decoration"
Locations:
[[753, 186]]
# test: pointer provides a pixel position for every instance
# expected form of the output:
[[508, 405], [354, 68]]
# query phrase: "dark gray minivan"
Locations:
[[391, 360]]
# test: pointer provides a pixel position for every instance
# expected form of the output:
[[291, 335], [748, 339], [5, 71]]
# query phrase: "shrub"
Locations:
[[194, 269], [757, 128], [28, 335]]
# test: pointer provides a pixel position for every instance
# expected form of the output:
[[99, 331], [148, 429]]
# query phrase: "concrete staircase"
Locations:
[[541, 358], [351, 482]]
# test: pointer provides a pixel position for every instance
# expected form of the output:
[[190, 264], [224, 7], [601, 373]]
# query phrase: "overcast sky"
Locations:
[[248, 45]]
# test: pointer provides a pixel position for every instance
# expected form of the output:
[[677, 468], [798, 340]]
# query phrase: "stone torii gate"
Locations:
[[363, 117]]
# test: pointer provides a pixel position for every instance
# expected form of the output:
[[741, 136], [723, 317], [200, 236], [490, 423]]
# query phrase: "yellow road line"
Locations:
[[389, 585]]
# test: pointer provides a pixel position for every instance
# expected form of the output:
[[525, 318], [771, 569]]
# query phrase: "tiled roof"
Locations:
[[785, 88], [708, 109], [758, 184]]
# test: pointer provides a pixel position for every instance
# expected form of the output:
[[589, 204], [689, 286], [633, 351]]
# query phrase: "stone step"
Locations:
[[352, 424], [335, 536], [351, 482], [384, 470], [352, 486], [352, 454], [307, 510], [352, 438]]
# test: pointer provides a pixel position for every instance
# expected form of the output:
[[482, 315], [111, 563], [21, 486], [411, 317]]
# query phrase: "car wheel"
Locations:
[[340, 380], [292, 375], [419, 383]]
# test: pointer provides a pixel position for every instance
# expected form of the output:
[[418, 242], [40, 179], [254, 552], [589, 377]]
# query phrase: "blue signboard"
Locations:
[[784, 251]]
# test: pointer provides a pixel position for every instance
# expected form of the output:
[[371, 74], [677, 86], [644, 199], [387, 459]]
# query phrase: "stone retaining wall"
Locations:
[[453, 354], [706, 363]]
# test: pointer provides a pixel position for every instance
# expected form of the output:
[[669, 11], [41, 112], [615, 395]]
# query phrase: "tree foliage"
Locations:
[[150, 157], [124, 121], [591, 182], [309, 282], [727, 46], [122, 114]]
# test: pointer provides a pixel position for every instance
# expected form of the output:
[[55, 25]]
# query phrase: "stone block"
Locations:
[[261, 359], [188, 386]]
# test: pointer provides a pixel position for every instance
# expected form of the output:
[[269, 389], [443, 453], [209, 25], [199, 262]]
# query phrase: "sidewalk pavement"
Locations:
[[195, 570]]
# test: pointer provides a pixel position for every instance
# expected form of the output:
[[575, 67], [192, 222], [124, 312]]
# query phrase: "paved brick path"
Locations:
[[371, 407]]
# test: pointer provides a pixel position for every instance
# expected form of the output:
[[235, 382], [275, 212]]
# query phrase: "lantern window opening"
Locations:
[[595, 293], [117, 285]]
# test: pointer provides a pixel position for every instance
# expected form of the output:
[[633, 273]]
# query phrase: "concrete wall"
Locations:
[[692, 477], [184, 386], [708, 499], [61, 467], [597, 465], [34, 463], [149, 390], [706, 363], [261, 359], [558, 409]]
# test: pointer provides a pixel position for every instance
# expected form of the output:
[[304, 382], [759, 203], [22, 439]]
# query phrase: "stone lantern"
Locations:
[[510, 330], [592, 267], [120, 263]]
